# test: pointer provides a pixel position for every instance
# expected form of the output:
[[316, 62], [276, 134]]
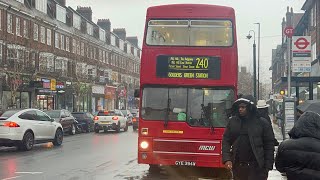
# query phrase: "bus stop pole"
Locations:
[[289, 66]]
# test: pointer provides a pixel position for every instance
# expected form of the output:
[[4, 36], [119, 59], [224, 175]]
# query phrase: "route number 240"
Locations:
[[202, 63]]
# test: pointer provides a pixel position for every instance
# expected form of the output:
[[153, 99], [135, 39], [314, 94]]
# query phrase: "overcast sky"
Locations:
[[130, 14]]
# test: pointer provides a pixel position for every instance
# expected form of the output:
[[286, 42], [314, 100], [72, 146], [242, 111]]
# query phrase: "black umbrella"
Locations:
[[310, 105]]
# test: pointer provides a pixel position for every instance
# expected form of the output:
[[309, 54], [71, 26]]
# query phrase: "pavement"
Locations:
[[274, 174]]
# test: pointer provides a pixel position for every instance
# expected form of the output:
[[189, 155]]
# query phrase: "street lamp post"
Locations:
[[254, 63], [258, 60]]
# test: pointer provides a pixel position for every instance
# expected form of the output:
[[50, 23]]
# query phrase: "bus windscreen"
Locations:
[[196, 106]]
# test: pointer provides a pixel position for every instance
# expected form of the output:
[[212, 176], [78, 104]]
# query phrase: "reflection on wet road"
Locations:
[[90, 156]]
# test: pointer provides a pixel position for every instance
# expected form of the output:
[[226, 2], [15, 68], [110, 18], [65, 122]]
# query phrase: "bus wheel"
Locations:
[[154, 168]]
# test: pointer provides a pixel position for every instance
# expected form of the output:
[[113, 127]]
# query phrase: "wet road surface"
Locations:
[[90, 156]]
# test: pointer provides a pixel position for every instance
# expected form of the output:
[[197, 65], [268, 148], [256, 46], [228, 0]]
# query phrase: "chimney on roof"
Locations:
[[133, 40], [121, 32], [105, 24], [61, 2], [85, 12]]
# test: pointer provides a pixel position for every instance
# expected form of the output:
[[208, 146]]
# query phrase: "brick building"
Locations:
[[52, 57], [304, 85]]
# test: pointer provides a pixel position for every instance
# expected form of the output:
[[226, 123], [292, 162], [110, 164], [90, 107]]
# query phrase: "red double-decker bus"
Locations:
[[188, 82]]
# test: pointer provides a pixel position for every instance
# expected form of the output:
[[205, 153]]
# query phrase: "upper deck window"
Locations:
[[190, 33]]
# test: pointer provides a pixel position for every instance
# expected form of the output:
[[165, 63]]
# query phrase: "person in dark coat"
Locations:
[[299, 156], [248, 142], [263, 111]]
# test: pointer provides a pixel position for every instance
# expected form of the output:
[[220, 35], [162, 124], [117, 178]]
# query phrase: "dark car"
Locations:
[[85, 120], [67, 121]]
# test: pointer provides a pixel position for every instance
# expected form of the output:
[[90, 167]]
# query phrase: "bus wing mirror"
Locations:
[[136, 93]]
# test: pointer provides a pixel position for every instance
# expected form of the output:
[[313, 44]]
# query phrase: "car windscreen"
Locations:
[[53, 114], [107, 113], [8, 114]]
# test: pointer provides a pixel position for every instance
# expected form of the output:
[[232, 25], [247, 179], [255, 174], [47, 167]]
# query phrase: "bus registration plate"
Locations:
[[185, 163]]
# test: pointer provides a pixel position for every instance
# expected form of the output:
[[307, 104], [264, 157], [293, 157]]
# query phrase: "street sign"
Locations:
[[288, 31], [301, 54]]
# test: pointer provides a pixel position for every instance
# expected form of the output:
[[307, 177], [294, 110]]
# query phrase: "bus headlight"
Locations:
[[144, 145]]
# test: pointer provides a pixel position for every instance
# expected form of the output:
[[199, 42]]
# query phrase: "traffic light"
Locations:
[[282, 92]]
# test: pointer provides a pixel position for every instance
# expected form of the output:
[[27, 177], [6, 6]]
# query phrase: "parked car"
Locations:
[[85, 120], [110, 120], [135, 120], [128, 115], [24, 128], [68, 122]]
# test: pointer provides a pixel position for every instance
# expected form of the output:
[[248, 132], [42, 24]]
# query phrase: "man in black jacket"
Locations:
[[248, 142], [299, 156]]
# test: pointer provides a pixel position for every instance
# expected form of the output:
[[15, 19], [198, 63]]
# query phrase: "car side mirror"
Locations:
[[63, 116], [52, 120], [136, 93]]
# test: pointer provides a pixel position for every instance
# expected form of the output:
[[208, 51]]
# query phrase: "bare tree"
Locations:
[[244, 82]]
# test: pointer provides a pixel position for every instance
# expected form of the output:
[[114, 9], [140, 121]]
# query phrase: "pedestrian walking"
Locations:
[[248, 142], [263, 111], [299, 156]]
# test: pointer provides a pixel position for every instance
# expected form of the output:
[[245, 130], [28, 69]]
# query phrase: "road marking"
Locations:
[[15, 177], [29, 172]]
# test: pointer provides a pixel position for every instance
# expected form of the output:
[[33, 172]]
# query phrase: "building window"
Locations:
[[49, 37], [41, 5], [1, 54], [67, 44], [25, 29], [0, 19], [18, 32], [42, 34], [76, 21], [56, 40], [62, 42], [61, 13], [74, 46], [82, 49], [35, 32], [9, 23], [78, 47], [102, 35], [89, 29]]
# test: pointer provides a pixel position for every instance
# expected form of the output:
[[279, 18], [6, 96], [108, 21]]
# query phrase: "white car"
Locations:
[[110, 120], [24, 128]]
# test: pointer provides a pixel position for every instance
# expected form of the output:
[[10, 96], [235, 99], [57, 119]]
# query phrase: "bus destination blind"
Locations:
[[190, 67]]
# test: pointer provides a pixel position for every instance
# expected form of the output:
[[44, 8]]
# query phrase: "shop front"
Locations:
[[110, 96], [98, 98]]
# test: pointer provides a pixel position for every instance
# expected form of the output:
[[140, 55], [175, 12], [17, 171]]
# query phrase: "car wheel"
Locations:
[[126, 128], [27, 141], [58, 138], [72, 130], [96, 130]]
